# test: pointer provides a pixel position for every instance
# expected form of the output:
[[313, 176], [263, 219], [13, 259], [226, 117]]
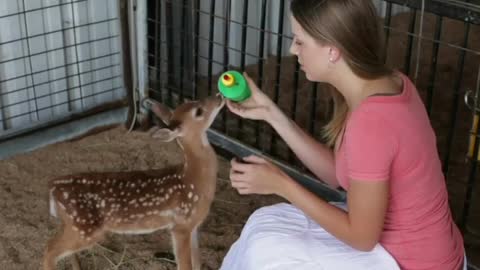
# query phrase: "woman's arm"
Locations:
[[361, 227], [367, 201], [317, 157]]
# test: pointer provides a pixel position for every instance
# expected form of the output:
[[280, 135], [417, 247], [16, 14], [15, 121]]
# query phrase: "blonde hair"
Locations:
[[354, 28]]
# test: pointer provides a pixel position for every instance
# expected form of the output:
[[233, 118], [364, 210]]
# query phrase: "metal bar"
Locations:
[[261, 48], [59, 30], [167, 74], [226, 58], [110, 41], [37, 9], [244, 34], [408, 57], [126, 59], [387, 23], [30, 61], [76, 54], [226, 32], [472, 267], [182, 50], [473, 160], [90, 47], [158, 46], [243, 51], [237, 148], [231, 21], [196, 7], [61, 91], [433, 73], [65, 102], [57, 49], [63, 30], [210, 45], [62, 66], [2, 113], [57, 79], [291, 156], [470, 182], [453, 119], [170, 45], [313, 108], [459, 10], [273, 137]]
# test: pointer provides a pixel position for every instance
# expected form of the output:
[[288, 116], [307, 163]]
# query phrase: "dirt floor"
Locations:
[[26, 225]]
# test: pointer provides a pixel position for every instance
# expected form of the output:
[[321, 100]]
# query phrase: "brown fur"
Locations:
[[177, 198]]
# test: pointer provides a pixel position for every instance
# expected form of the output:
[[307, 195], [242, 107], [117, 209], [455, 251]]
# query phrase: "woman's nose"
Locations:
[[293, 49]]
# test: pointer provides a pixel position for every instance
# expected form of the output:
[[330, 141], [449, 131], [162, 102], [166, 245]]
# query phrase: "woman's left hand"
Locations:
[[257, 176]]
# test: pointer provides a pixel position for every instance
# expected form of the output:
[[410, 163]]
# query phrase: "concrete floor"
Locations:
[[60, 133]]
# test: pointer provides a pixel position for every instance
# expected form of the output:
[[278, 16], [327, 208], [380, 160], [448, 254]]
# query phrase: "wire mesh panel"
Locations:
[[436, 43], [57, 58]]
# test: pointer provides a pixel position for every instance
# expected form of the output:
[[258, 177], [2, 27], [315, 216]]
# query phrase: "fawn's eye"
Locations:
[[199, 112]]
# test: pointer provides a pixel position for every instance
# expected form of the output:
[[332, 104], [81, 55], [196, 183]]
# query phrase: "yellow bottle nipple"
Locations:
[[228, 80]]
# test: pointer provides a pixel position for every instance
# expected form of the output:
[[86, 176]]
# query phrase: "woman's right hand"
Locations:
[[258, 107]]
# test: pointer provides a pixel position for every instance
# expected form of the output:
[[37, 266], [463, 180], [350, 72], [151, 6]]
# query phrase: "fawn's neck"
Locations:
[[200, 166]]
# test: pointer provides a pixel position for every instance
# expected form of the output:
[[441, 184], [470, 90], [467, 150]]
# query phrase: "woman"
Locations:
[[380, 148]]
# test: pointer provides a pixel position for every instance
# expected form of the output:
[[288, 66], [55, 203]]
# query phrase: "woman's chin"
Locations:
[[308, 76]]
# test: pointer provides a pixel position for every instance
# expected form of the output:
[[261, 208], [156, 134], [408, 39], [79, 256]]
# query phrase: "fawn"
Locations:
[[177, 198]]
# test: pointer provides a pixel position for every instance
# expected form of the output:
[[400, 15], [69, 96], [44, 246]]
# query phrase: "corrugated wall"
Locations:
[[57, 58]]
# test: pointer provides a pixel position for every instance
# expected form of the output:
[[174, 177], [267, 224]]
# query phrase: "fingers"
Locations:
[[255, 159], [238, 182], [240, 185], [235, 108], [239, 166], [250, 82]]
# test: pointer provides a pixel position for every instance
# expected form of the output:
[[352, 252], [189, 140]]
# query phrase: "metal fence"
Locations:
[[58, 58], [437, 43]]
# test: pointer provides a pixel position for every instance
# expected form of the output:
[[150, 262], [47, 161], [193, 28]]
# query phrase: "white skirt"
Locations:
[[282, 237]]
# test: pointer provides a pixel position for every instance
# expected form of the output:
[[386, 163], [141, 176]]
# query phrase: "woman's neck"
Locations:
[[355, 89]]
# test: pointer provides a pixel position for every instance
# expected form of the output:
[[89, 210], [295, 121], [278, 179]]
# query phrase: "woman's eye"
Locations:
[[297, 42]]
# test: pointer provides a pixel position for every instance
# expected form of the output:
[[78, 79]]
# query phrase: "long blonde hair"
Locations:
[[354, 28]]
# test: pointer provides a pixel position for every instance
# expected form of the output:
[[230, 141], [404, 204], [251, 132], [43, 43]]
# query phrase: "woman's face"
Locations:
[[313, 57]]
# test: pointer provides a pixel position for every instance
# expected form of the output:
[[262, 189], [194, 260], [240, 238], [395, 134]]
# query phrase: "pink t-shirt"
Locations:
[[390, 137]]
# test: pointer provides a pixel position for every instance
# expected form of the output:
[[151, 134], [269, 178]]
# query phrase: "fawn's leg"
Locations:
[[182, 248], [196, 262], [66, 242]]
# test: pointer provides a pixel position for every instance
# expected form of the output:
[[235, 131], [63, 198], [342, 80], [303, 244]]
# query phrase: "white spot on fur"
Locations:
[[53, 210]]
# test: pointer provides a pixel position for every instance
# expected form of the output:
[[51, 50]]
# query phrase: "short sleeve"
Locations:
[[370, 147]]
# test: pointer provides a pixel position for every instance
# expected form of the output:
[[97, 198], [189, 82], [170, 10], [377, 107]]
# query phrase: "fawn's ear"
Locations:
[[162, 112], [165, 134]]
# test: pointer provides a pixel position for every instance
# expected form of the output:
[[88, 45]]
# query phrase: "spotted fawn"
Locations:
[[177, 198]]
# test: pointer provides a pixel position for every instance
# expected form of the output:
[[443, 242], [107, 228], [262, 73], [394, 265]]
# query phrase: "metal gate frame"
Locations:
[[74, 114]]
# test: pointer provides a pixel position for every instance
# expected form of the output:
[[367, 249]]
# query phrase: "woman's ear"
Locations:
[[333, 54]]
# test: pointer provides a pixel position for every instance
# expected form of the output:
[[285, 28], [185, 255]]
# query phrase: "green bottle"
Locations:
[[233, 86]]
